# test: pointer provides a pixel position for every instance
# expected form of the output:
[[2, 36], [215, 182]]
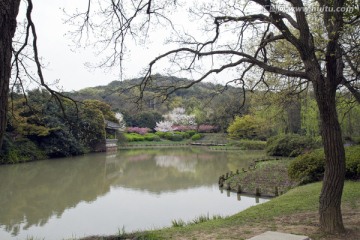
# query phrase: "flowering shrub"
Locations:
[[138, 130], [207, 128], [183, 128]]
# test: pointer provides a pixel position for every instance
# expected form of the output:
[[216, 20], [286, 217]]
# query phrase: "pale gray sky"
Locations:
[[66, 63]]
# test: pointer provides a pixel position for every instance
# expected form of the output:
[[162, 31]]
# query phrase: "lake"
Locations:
[[104, 193]]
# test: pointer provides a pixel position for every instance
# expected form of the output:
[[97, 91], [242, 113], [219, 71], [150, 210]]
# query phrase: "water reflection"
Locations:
[[34, 192], [173, 169], [176, 162], [38, 193]]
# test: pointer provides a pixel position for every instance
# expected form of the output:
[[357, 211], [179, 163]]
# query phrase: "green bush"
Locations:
[[21, 150], [134, 137], [184, 135], [355, 140], [151, 137], [191, 133], [139, 138], [290, 145], [353, 162], [161, 134], [61, 143], [128, 137], [168, 135], [196, 137], [156, 138], [310, 166], [173, 136], [247, 126], [176, 137]]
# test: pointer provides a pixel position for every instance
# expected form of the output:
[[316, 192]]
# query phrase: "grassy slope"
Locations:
[[266, 176], [303, 200]]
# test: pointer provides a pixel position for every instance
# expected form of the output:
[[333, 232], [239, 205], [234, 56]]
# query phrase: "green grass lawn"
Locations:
[[300, 205], [220, 138], [207, 138], [214, 138]]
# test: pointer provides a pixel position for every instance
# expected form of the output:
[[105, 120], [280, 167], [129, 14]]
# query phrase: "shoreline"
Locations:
[[285, 214]]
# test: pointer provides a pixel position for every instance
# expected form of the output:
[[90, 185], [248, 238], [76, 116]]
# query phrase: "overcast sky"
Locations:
[[66, 63]]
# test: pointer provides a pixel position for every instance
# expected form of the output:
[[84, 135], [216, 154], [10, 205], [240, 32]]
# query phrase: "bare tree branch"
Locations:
[[31, 28]]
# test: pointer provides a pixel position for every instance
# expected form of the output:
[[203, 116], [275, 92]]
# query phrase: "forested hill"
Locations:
[[122, 95], [39, 127]]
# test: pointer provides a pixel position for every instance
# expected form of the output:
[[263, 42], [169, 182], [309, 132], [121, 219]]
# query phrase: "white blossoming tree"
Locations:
[[178, 116], [120, 118], [164, 126]]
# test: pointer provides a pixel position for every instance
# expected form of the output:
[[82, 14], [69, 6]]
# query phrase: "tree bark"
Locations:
[[334, 177], [325, 87], [8, 12]]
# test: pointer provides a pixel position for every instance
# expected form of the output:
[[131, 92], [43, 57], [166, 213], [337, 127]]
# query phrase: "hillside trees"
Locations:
[[37, 122], [209, 105], [237, 39], [145, 119], [279, 110]]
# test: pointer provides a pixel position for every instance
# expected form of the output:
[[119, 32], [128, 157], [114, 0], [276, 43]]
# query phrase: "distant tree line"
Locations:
[[38, 128], [274, 112]]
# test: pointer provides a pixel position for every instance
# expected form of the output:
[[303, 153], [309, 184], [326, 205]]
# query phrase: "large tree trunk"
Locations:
[[8, 13], [334, 177]]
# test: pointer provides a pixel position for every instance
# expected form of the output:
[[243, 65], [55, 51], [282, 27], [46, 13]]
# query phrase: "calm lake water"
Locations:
[[101, 194]]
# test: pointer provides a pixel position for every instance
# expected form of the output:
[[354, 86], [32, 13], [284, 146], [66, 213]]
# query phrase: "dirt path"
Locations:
[[302, 224]]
